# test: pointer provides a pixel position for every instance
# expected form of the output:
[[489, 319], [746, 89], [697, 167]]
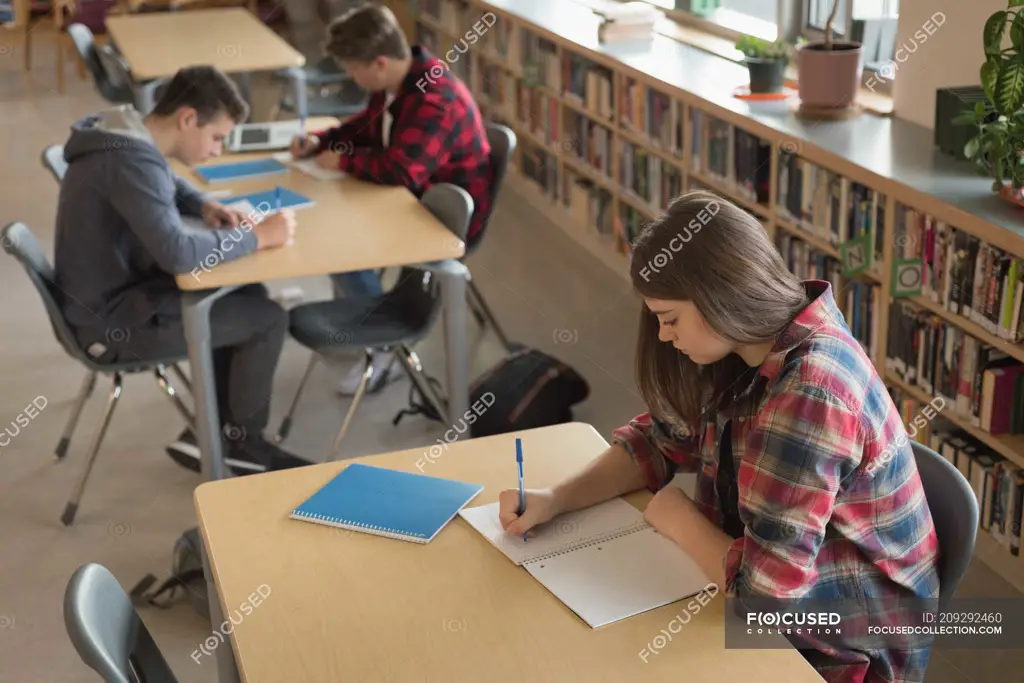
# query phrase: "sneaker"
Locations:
[[259, 455], [382, 370], [251, 456]]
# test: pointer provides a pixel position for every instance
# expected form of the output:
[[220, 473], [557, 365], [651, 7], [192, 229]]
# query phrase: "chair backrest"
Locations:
[[107, 632], [19, 242], [417, 289], [954, 509], [503, 144], [53, 160]]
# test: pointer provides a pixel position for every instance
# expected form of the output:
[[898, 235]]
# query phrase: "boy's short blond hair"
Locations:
[[365, 33]]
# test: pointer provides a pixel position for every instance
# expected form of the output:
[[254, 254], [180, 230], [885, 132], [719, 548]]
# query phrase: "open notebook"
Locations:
[[605, 563]]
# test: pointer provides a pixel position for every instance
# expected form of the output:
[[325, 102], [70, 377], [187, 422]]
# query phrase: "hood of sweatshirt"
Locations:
[[120, 129]]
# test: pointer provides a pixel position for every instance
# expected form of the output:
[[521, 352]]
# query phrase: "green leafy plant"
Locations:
[[998, 147], [753, 47]]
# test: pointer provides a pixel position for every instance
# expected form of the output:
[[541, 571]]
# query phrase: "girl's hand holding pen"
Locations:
[[541, 506]]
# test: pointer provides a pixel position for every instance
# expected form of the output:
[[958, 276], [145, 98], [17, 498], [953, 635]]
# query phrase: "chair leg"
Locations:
[[165, 384], [60, 64], [367, 373], [286, 423], [179, 373], [414, 368], [72, 507], [76, 412], [489, 315]]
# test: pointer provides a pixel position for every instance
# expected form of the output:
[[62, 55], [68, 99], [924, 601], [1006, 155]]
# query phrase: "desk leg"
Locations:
[[196, 313], [298, 76], [453, 294], [227, 669]]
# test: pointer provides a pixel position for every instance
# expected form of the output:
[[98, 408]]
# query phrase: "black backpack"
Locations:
[[524, 390], [186, 575]]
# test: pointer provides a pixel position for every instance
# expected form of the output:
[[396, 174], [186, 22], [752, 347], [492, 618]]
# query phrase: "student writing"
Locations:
[[421, 127], [753, 381], [120, 241]]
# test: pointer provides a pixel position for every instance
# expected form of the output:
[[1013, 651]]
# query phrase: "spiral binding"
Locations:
[[367, 528], [610, 536]]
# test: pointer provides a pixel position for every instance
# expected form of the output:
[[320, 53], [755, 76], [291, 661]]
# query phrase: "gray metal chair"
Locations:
[[107, 632], [19, 242], [53, 160], [112, 81], [954, 509], [393, 321], [503, 145]]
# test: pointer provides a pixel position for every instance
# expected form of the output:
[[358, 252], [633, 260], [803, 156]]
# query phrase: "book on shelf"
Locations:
[[977, 382], [653, 180], [588, 85], [588, 141], [628, 21], [652, 114], [539, 62], [964, 274]]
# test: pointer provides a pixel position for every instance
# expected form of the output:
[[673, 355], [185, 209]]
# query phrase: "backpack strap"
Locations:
[[171, 584], [420, 407]]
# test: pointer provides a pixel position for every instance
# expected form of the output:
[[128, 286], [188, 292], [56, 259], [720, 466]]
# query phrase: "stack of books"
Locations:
[[629, 21]]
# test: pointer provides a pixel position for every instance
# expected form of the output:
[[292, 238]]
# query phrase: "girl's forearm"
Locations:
[[702, 540], [611, 474]]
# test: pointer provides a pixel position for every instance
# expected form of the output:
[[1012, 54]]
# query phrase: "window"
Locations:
[[870, 22]]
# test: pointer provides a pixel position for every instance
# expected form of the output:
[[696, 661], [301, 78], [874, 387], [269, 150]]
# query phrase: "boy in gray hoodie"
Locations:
[[121, 239]]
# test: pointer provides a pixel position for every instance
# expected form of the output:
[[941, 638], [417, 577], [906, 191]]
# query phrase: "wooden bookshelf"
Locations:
[[674, 122]]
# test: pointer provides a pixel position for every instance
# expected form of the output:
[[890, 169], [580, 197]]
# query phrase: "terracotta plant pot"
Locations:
[[1014, 197], [829, 79], [766, 75]]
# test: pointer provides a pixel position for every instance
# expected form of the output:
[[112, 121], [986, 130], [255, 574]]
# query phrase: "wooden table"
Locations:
[[346, 606], [232, 39], [354, 225]]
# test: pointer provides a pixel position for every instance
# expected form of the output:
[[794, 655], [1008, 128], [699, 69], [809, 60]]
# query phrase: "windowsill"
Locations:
[[873, 102]]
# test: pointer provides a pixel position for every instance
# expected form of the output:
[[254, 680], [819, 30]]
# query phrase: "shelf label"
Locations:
[[856, 255], [907, 278]]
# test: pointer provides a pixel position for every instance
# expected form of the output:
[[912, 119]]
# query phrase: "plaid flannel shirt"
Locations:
[[437, 136], [821, 522]]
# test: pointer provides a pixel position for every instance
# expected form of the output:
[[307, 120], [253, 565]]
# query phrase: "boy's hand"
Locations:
[[541, 506], [329, 160], [303, 146], [276, 230], [216, 215]]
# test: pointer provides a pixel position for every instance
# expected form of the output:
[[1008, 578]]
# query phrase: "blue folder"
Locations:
[[403, 505], [217, 173], [264, 198]]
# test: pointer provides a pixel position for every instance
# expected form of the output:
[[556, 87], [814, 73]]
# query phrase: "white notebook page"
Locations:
[[562, 532], [620, 578], [309, 167]]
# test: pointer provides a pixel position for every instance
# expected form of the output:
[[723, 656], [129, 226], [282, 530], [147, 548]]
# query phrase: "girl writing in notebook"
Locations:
[[806, 483]]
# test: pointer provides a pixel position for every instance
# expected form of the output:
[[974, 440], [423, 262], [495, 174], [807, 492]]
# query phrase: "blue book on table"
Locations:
[[268, 198], [403, 505], [215, 173]]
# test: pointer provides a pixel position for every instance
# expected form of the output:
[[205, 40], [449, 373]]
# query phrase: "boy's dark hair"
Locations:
[[207, 90], [365, 33]]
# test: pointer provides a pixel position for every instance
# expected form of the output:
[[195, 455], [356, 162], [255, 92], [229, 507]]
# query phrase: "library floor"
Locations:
[[138, 501]]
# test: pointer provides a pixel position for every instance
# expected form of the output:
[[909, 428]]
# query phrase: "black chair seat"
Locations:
[[357, 323]]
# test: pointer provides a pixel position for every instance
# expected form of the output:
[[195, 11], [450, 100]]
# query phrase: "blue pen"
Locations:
[[522, 493], [277, 197]]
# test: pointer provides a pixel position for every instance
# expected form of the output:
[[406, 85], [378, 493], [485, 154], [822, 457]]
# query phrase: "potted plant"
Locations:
[[829, 71], [766, 62], [997, 149]]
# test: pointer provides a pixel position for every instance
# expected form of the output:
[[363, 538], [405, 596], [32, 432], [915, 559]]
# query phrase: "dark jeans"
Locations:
[[247, 331], [357, 283]]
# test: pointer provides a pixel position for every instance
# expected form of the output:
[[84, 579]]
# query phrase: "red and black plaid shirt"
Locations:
[[437, 136]]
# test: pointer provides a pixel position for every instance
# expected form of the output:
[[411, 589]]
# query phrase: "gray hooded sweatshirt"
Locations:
[[119, 236]]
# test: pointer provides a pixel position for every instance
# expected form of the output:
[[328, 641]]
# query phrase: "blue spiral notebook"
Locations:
[[218, 173], [402, 505]]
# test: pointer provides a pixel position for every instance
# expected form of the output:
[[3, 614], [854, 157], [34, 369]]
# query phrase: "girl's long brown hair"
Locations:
[[708, 251]]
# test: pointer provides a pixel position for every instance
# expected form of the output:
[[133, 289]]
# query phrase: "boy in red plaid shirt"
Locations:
[[807, 489], [421, 127]]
